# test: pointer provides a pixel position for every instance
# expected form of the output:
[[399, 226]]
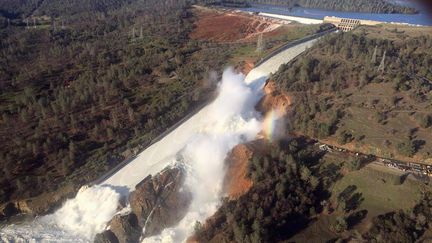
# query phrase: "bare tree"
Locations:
[[260, 43], [374, 55], [133, 33], [382, 64]]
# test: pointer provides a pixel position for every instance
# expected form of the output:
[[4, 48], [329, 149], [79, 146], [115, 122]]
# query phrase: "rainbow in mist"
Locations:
[[270, 124]]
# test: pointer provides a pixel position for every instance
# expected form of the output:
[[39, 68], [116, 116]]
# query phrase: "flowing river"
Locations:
[[200, 145]]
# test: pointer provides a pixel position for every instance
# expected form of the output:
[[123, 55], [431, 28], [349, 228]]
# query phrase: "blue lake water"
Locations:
[[421, 18]]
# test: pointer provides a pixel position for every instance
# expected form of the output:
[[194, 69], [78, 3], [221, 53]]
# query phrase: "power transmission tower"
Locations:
[[382, 64], [260, 43]]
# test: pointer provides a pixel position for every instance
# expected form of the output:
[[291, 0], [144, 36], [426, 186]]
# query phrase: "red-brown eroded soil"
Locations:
[[274, 99], [236, 182], [221, 26], [274, 106], [248, 66]]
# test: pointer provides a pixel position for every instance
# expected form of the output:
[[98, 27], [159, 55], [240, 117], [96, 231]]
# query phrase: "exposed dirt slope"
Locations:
[[223, 26], [236, 182], [273, 99]]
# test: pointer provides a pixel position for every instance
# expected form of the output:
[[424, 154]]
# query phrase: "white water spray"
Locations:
[[232, 120], [77, 221]]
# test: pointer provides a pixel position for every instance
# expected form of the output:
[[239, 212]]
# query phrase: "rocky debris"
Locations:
[[106, 237], [126, 228], [157, 203], [160, 201], [8, 210], [41, 205]]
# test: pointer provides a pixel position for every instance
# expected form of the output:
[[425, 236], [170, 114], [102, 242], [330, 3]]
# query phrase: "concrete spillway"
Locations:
[[162, 153], [200, 145]]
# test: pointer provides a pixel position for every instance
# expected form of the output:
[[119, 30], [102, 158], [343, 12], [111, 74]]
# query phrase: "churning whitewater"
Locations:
[[200, 145]]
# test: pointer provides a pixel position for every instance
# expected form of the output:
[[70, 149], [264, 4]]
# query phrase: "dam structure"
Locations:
[[343, 24], [347, 24]]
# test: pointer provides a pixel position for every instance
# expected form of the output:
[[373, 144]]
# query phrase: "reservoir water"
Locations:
[[422, 18]]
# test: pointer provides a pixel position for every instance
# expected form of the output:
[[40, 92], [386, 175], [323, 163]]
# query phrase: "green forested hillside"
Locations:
[[373, 92], [25, 8], [16, 8], [293, 199], [284, 196], [79, 90]]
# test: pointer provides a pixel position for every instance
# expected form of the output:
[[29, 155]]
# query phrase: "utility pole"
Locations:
[[382, 64]]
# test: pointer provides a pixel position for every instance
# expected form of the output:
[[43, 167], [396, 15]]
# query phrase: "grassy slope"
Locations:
[[380, 195]]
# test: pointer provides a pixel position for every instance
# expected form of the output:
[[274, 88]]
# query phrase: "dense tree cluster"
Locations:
[[25, 8], [355, 60], [75, 95], [16, 8], [283, 198], [402, 226]]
